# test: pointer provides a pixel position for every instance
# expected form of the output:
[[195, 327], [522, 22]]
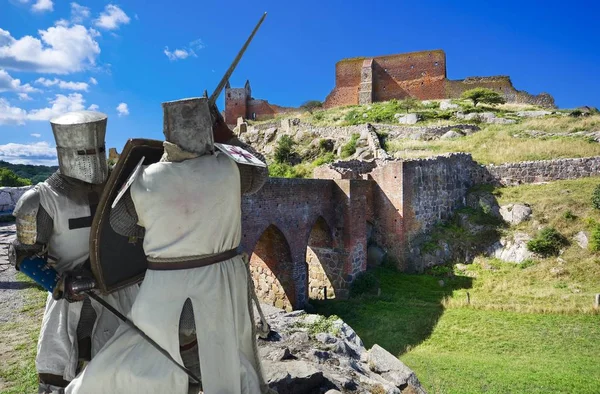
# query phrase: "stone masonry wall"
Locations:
[[433, 189], [538, 171], [503, 85], [9, 197]]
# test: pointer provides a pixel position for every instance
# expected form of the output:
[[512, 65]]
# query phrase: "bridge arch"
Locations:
[[323, 262], [271, 267]]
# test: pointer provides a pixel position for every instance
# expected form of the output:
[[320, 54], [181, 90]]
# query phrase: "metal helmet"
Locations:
[[188, 124], [80, 145]]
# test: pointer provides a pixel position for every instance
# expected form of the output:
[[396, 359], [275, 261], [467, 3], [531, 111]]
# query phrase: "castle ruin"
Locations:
[[362, 80]]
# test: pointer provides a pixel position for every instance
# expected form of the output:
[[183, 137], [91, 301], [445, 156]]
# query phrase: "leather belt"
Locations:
[[195, 263]]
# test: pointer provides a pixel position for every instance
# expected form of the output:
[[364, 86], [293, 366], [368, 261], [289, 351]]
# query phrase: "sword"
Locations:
[[142, 333], [213, 97]]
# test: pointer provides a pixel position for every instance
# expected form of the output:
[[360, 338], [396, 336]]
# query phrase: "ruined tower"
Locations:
[[236, 102]]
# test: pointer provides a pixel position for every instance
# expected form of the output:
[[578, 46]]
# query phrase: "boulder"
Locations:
[[581, 239], [391, 368], [408, 119], [484, 201], [270, 134], [375, 256], [515, 213], [533, 114], [451, 134], [447, 104], [293, 377], [512, 250]]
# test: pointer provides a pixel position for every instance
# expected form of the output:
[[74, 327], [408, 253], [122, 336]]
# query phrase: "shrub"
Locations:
[[9, 178], [281, 170], [365, 283], [311, 105], [350, 148], [547, 242], [569, 215], [319, 115], [594, 244], [284, 149], [596, 197], [325, 145], [327, 158], [483, 95]]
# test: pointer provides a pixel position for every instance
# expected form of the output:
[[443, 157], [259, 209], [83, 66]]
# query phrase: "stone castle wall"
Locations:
[[9, 197], [538, 171]]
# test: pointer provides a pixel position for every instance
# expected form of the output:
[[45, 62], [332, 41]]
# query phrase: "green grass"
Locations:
[[497, 144], [460, 349], [19, 339], [474, 351]]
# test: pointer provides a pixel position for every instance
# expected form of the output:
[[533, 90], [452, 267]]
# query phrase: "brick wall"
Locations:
[[418, 74], [347, 83], [235, 104]]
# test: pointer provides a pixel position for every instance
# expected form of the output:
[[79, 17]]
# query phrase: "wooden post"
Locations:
[[597, 301]]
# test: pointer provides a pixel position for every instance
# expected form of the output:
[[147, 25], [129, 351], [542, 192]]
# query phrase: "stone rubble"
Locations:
[[304, 353]]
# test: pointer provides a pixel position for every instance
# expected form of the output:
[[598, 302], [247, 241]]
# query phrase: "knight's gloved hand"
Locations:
[[221, 132], [72, 286]]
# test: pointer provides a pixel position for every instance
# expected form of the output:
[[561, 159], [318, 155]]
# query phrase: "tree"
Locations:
[[284, 150], [408, 103], [483, 95], [9, 178], [311, 105]]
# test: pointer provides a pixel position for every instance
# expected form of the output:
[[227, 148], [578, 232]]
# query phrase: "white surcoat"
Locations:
[[188, 208], [57, 351]]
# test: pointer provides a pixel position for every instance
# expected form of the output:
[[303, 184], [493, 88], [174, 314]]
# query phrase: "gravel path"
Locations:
[[11, 299]]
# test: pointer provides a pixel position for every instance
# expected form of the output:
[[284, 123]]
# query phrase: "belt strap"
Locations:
[[195, 263]]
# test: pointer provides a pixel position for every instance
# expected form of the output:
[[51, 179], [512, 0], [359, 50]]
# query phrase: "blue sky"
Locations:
[[127, 57]]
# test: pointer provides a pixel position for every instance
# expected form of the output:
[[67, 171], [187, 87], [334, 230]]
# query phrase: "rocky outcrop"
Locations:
[[485, 117], [512, 249], [515, 213], [307, 353], [9, 197]]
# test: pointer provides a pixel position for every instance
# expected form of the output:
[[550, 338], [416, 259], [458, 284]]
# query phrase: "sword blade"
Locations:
[[221, 85], [142, 333]]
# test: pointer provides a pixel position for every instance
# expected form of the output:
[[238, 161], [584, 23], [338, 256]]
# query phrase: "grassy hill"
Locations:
[[527, 328], [561, 134]]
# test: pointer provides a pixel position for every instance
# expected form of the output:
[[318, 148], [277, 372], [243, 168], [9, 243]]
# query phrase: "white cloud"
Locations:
[[24, 97], [93, 81], [122, 109], [42, 5], [93, 107], [60, 105], [60, 50], [111, 18], [10, 84], [176, 54], [10, 114], [184, 53], [36, 135], [62, 22], [34, 153], [67, 85], [79, 13]]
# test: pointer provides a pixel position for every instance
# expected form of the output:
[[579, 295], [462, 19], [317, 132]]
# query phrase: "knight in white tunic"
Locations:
[[187, 207], [53, 222]]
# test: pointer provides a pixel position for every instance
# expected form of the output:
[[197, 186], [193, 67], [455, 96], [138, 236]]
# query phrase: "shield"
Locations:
[[116, 261]]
